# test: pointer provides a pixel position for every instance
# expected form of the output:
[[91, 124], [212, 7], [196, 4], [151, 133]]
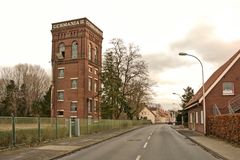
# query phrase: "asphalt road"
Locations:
[[156, 142]]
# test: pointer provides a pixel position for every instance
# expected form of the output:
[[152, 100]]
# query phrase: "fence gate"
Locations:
[[74, 127]]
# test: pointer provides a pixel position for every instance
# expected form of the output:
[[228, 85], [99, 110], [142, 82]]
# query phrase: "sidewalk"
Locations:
[[59, 148], [215, 146]]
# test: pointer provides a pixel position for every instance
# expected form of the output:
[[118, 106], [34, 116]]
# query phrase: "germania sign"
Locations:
[[74, 23]]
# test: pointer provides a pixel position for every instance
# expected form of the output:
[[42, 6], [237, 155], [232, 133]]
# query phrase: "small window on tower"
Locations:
[[60, 113], [96, 55], [61, 73], [89, 51], [73, 106], [74, 50], [60, 95], [74, 84], [89, 84], [61, 53]]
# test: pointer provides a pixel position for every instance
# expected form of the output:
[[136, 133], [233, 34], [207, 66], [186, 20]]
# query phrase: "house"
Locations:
[[146, 113], [222, 94]]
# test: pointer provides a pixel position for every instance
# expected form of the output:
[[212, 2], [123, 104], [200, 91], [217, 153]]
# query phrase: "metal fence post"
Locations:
[[56, 128], [13, 131], [39, 129], [70, 128], [78, 127]]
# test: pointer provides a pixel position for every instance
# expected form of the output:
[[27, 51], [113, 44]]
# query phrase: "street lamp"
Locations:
[[203, 89], [177, 95]]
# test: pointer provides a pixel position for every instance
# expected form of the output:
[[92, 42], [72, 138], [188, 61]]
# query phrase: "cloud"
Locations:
[[161, 61], [204, 41]]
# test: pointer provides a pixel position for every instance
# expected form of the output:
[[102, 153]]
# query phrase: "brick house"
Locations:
[[222, 94], [76, 64]]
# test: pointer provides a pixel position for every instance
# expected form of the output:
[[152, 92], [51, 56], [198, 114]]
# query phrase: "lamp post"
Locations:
[[203, 89], [177, 95]]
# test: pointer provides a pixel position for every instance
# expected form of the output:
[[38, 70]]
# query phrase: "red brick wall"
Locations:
[[216, 96], [75, 68], [226, 127]]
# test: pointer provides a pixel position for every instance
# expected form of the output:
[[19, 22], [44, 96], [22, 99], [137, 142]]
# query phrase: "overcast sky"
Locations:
[[209, 29]]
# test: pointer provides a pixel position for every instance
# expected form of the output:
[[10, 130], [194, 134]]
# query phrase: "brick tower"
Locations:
[[76, 64]]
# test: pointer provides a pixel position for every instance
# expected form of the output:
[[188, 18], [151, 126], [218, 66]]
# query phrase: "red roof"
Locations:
[[213, 78]]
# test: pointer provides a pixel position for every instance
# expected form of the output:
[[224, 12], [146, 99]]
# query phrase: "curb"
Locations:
[[215, 154], [94, 143]]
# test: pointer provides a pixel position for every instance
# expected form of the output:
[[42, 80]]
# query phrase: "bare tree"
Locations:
[[31, 81]]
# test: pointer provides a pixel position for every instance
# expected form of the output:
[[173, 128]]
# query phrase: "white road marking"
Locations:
[[145, 145], [149, 137], [138, 157]]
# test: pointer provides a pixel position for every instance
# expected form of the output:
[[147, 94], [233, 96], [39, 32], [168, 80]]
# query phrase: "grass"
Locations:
[[27, 133]]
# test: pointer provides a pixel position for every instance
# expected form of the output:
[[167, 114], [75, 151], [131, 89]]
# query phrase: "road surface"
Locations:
[[155, 142]]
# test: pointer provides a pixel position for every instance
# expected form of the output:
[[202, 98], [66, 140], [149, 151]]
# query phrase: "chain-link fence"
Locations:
[[31, 130]]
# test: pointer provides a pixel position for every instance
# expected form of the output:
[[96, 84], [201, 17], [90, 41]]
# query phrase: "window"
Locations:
[[96, 71], [74, 50], [90, 69], [191, 120], [61, 53], [202, 117], [60, 95], [95, 86], [228, 88], [60, 113], [96, 55], [73, 83], [89, 84], [73, 106], [89, 103], [60, 72], [90, 52], [95, 106], [196, 117]]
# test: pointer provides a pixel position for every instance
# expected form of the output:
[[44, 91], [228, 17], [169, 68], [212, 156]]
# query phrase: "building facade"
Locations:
[[147, 114], [222, 94], [76, 64]]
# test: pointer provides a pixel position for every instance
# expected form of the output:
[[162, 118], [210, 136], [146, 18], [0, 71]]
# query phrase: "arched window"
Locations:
[[96, 55], [61, 53], [74, 50], [89, 51]]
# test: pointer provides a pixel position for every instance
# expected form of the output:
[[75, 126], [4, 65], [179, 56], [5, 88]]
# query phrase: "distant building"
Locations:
[[222, 94], [147, 114], [76, 64], [155, 113]]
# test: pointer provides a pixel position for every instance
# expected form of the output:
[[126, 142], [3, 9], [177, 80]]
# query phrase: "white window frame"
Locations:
[[73, 102], [61, 110], [89, 83], [90, 69], [227, 92], [74, 79], [74, 52], [89, 51], [196, 117], [59, 69], [95, 105], [89, 105], [58, 91], [96, 55], [95, 85], [96, 72], [202, 117]]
